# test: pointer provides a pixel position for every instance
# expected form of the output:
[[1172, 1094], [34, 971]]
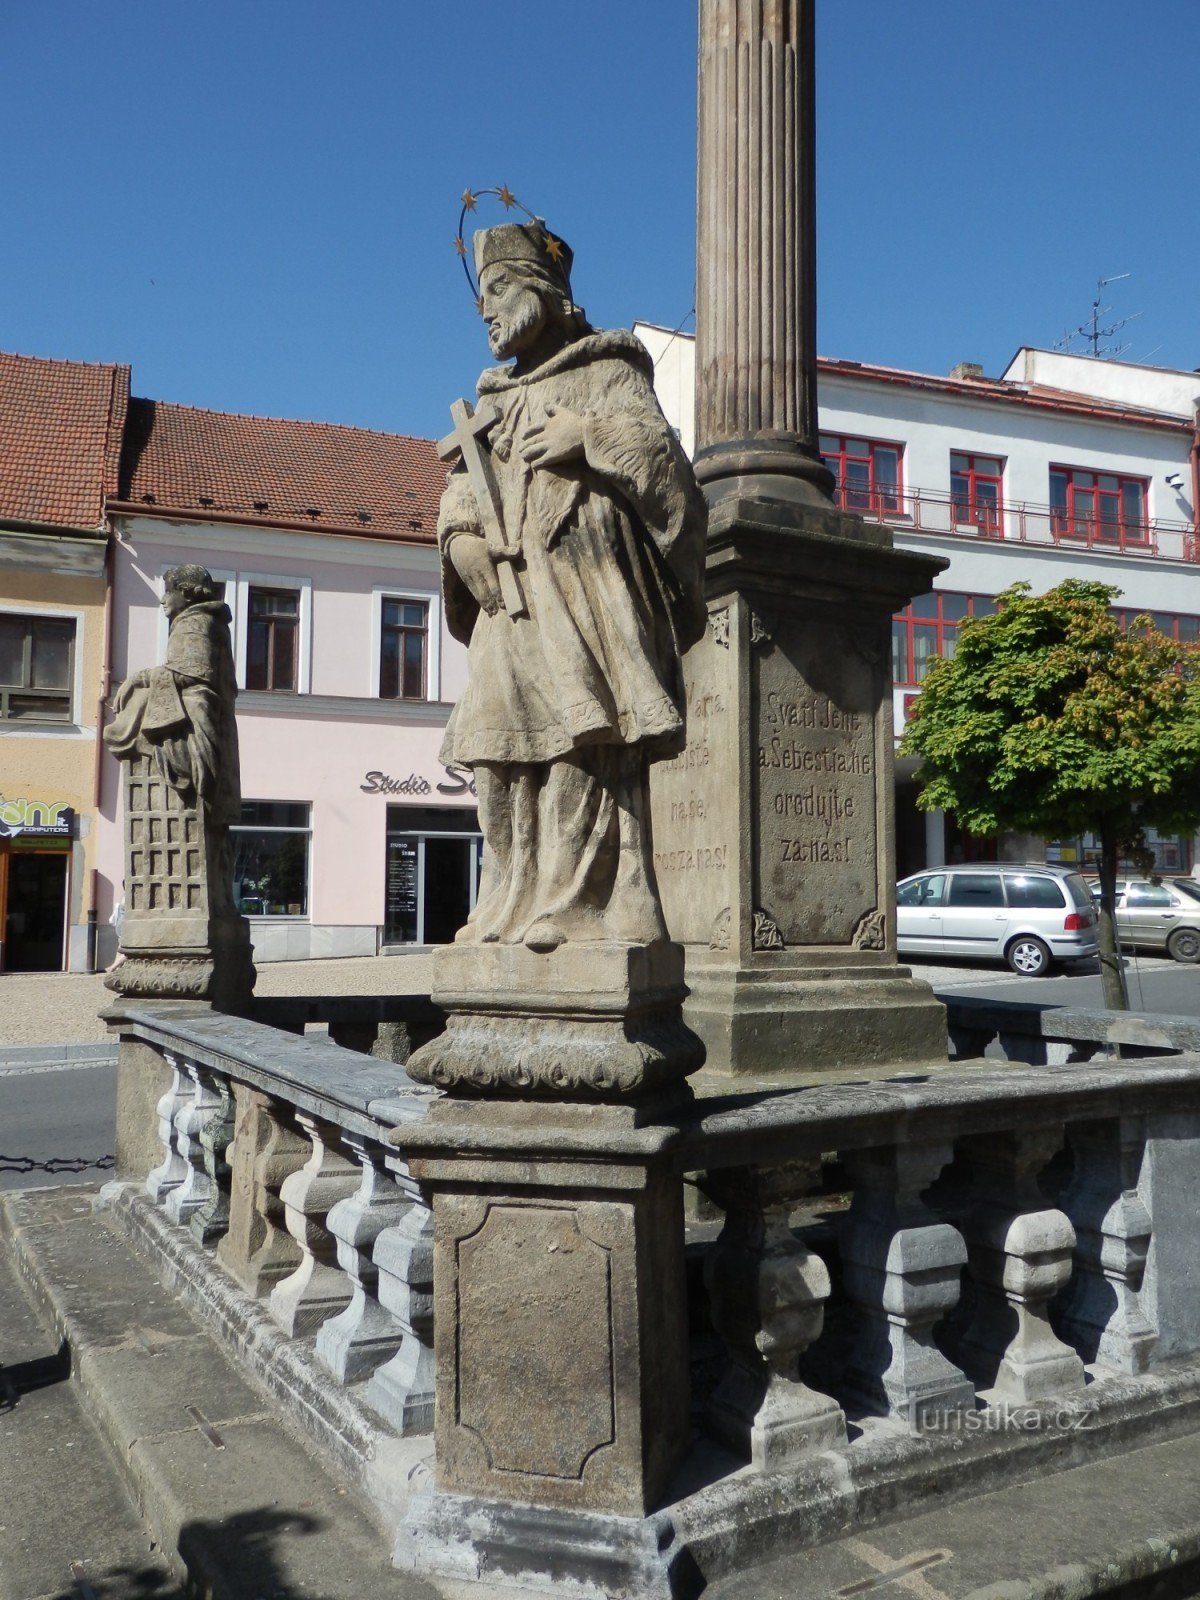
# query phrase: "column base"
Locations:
[[769, 1022], [586, 1021], [186, 958]]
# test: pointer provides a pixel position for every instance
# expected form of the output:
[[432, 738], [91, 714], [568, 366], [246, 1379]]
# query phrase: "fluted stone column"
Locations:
[[756, 301], [774, 829]]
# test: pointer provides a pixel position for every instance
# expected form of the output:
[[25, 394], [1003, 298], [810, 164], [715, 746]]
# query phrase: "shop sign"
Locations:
[[35, 819], [458, 781]]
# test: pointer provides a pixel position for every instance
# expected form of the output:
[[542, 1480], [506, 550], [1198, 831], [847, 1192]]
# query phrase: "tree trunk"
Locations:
[[1112, 973]]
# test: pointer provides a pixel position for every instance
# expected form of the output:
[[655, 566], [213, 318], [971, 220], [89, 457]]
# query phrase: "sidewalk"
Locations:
[[39, 1008]]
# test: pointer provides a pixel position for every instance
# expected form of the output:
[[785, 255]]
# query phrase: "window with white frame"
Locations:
[[37, 667], [273, 639], [403, 649], [271, 849], [405, 660]]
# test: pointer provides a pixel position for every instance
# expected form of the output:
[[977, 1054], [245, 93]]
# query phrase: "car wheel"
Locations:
[[1028, 956], [1184, 945]]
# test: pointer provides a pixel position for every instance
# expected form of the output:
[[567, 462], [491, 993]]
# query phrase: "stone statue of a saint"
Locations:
[[577, 686], [174, 728]]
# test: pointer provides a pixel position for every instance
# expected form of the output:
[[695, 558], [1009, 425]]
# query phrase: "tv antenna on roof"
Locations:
[[1092, 332]]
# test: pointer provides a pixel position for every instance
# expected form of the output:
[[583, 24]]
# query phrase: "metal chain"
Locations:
[[56, 1164]]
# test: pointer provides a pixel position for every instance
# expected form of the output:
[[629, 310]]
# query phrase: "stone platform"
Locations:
[[245, 1510]]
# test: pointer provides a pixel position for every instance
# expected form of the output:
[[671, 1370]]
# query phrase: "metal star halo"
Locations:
[[470, 199]]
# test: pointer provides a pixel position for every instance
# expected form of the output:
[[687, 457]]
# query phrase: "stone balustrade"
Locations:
[[899, 1256], [275, 1158]]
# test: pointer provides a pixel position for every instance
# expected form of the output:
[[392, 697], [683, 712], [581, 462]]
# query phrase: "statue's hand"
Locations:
[[469, 558], [558, 439], [140, 679]]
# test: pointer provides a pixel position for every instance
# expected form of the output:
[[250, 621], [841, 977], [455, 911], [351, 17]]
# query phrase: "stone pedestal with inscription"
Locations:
[[774, 831]]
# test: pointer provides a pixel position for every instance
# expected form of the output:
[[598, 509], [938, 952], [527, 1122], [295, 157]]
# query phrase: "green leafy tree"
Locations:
[[1050, 719]]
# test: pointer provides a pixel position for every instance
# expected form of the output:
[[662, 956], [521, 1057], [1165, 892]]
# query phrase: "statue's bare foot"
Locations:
[[544, 937]]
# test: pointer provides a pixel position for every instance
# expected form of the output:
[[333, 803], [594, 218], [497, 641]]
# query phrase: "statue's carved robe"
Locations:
[[564, 709], [183, 717]]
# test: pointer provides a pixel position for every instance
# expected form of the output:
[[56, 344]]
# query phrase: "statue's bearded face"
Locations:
[[515, 313]]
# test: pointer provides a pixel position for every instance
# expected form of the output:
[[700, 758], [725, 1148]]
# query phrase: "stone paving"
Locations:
[[62, 1007]]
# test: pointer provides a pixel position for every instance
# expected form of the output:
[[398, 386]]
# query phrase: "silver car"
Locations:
[[1028, 916], [1159, 916]]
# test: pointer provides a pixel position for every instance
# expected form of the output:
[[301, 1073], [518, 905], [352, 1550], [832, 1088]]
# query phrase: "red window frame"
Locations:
[[931, 620], [977, 492], [1180, 627], [1092, 505], [861, 468]]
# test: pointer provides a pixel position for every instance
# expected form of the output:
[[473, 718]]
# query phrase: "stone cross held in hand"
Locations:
[[470, 430]]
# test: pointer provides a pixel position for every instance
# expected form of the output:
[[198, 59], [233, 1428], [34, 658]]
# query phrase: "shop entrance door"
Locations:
[[432, 874], [37, 902]]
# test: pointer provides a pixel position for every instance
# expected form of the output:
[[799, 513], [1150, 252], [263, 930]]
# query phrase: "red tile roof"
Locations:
[[213, 465], [61, 424]]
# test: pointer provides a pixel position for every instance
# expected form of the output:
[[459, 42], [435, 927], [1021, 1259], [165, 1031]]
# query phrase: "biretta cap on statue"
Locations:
[[527, 242]]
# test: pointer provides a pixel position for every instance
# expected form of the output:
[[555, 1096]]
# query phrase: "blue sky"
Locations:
[[254, 201]]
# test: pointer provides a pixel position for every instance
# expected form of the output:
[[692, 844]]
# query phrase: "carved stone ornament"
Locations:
[[870, 932], [718, 621], [169, 978], [718, 939], [561, 1058], [760, 629], [766, 932]]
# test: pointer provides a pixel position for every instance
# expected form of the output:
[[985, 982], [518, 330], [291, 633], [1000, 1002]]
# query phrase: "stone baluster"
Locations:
[[318, 1288], [1102, 1314], [402, 1389], [172, 1169], [258, 1251], [1019, 1259], [901, 1270], [195, 1111], [211, 1221], [365, 1334], [767, 1294]]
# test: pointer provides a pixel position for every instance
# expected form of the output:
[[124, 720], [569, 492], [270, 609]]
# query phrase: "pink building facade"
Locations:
[[354, 837]]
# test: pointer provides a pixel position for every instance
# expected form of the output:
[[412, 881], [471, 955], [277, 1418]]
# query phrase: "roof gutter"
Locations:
[[139, 508]]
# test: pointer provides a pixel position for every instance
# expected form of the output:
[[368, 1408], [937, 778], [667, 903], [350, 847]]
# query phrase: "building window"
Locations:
[[928, 628], [272, 639], [404, 637], [37, 668], [1099, 507], [975, 492], [1182, 630], [270, 858], [867, 473]]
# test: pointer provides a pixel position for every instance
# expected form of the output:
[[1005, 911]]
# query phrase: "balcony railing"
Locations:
[[1020, 521]]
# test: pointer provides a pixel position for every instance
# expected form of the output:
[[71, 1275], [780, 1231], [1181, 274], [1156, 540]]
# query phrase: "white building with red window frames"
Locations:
[[1065, 466]]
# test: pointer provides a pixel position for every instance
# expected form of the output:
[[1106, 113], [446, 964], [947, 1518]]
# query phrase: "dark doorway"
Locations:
[[447, 887], [37, 897]]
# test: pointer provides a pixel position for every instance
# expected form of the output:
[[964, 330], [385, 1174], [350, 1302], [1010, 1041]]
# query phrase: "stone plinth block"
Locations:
[[586, 1021], [560, 1331], [774, 827]]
